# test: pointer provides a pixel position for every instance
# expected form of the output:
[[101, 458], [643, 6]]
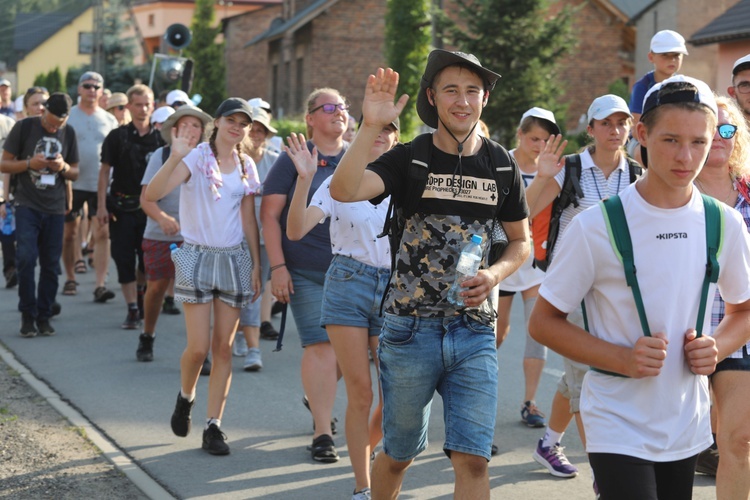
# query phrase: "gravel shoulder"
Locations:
[[43, 456]]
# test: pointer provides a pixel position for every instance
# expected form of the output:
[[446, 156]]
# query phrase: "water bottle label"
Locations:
[[468, 264]]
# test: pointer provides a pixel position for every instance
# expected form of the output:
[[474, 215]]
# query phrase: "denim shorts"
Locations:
[[454, 356], [352, 294], [250, 314], [305, 305]]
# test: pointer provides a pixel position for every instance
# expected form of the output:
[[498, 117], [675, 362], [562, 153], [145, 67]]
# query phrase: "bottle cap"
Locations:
[[477, 239]]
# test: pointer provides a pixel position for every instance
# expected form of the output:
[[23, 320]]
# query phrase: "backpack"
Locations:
[[25, 129], [619, 237], [416, 181], [545, 227]]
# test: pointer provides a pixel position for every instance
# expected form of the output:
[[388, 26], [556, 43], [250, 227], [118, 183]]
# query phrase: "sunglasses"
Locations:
[[89, 86], [727, 130], [120, 107], [330, 109]]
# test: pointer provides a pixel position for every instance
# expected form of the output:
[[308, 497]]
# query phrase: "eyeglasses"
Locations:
[[743, 87], [330, 108], [727, 130], [89, 86]]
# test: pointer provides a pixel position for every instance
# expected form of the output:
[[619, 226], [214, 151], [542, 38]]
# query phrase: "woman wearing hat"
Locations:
[[117, 105], [215, 271]]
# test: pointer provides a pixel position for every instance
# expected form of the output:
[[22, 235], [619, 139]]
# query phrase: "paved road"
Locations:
[[91, 364]]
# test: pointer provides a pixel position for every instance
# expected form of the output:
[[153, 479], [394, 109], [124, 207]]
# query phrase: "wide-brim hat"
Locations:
[[261, 116], [117, 99], [187, 110], [438, 60]]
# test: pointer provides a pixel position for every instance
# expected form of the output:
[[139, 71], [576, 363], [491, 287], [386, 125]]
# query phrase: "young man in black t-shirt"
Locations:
[[427, 343], [42, 152]]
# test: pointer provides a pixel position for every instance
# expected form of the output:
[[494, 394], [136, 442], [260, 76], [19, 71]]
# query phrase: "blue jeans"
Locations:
[[455, 356], [38, 236]]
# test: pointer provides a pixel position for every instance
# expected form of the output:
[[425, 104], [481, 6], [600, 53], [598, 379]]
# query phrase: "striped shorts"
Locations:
[[204, 273]]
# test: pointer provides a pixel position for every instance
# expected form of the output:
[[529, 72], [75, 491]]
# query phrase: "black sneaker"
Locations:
[[168, 306], [28, 329], [276, 308], [181, 416], [132, 320], [55, 308], [206, 368], [102, 295], [708, 461], [11, 277], [44, 327], [268, 332], [145, 351], [215, 441]]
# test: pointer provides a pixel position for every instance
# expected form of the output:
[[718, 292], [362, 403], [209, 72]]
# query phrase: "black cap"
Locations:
[[234, 105], [59, 104], [436, 62]]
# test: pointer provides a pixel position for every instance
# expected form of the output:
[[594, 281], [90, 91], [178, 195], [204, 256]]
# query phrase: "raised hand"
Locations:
[[550, 160], [378, 107], [305, 161], [182, 144]]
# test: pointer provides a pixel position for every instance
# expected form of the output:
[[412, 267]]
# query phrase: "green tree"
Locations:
[[407, 43], [521, 41], [208, 57], [118, 51], [55, 80]]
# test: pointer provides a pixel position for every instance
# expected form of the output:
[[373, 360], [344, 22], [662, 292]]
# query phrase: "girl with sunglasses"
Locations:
[[214, 271], [726, 177]]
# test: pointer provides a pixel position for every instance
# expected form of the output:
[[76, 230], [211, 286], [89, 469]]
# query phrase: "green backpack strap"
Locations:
[[714, 215], [619, 236]]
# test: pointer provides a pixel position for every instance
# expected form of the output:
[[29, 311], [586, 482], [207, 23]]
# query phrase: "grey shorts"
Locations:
[[204, 273], [572, 380]]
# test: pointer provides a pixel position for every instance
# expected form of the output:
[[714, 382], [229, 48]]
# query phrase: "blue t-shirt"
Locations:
[[639, 92], [312, 252]]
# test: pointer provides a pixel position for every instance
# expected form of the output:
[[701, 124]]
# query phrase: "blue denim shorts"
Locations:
[[352, 294], [250, 313], [305, 305], [455, 356]]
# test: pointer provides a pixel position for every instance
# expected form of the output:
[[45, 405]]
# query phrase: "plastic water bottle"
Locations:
[[173, 248], [467, 267], [9, 224]]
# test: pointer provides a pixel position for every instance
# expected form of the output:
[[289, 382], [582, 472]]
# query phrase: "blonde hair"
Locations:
[[139, 89], [739, 161], [312, 102]]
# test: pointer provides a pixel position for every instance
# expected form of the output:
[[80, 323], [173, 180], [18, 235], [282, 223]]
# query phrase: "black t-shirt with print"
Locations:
[[41, 190], [128, 152], [444, 221]]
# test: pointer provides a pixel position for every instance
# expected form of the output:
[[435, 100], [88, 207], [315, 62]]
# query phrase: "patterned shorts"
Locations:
[[156, 259], [204, 273]]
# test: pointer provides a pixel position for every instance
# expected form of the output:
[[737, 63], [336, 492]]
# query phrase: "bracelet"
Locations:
[[273, 268], [28, 163]]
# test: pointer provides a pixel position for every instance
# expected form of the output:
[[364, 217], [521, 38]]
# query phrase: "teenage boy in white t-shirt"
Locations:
[[645, 429]]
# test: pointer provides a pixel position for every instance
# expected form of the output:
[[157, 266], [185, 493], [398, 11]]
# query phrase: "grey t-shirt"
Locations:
[[263, 166], [170, 204], [90, 133]]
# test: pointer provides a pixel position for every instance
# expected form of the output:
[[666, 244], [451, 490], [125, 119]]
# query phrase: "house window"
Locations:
[[85, 42], [151, 20], [275, 86], [299, 86]]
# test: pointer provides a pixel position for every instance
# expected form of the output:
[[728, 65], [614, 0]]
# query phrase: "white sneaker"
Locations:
[[239, 348], [253, 362]]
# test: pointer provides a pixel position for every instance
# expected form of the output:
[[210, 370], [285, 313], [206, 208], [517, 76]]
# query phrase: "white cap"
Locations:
[[177, 96], [4, 81], [543, 114], [704, 94], [741, 64], [160, 115], [668, 41], [257, 102], [18, 107], [607, 105]]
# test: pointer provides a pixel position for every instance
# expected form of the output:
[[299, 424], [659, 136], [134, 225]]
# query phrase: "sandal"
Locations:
[[80, 267], [70, 288], [334, 420], [323, 450]]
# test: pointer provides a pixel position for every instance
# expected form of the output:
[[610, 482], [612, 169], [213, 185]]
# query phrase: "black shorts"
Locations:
[[79, 198]]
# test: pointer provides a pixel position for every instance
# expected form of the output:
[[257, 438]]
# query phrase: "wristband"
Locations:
[[273, 268], [28, 163]]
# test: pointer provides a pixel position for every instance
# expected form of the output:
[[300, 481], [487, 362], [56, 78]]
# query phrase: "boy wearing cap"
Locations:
[[740, 89], [666, 52], [428, 344], [43, 155], [645, 402], [92, 125]]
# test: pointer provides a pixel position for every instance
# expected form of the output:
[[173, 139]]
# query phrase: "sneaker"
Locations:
[[206, 368], [132, 321], [11, 277], [553, 458], [239, 348], [45, 329], [102, 295], [363, 494], [28, 329], [253, 362], [215, 441], [168, 307], [145, 351], [708, 461], [181, 416], [531, 416], [276, 308], [55, 308], [268, 332]]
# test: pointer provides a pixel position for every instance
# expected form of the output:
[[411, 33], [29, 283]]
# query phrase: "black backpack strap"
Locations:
[[570, 193], [165, 154], [634, 168]]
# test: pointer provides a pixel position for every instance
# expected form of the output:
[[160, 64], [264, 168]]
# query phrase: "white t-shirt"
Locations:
[[205, 220], [354, 227], [662, 418]]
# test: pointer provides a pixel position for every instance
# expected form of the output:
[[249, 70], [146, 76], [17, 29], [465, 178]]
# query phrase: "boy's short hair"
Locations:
[[139, 89], [667, 41]]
